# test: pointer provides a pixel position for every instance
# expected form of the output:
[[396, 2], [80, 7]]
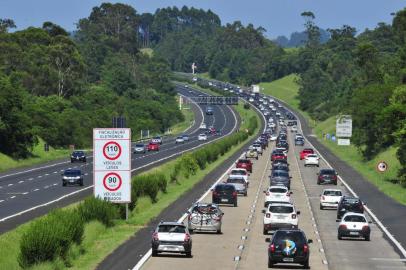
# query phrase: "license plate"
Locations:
[[280, 217], [171, 248], [224, 200], [71, 181], [354, 233], [287, 259]]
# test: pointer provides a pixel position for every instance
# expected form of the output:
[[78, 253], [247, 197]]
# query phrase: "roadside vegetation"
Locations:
[[61, 240]]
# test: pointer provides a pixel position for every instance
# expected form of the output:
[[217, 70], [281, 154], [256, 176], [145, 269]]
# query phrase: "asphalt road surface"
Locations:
[[32, 192]]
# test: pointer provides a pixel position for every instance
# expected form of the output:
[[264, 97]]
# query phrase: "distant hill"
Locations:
[[298, 39]]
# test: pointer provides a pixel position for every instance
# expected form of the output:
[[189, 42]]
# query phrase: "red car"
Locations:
[[244, 164], [153, 146], [305, 152], [278, 155], [212, 130]]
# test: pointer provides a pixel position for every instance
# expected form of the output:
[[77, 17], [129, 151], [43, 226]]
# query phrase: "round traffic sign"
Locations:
[[112, 181], [111, 150], [381, 166]]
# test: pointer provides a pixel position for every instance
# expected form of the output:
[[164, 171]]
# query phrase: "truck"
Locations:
[[255, 88]]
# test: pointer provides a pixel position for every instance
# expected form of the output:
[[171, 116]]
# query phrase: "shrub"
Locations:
[[189, 165], [161, 180], [97, 209]]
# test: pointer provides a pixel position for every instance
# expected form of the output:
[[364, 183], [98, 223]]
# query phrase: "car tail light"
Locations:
[[215, 193], [155, 236], [234, 193], [365, 228], [361, 207], [293, 216], [343, 227], [323, 198], [268, 215], [305, 248], [187, 238], [189, 217], [217, 218], [271, 248], [288, 194], [320, 177], [267, 193]]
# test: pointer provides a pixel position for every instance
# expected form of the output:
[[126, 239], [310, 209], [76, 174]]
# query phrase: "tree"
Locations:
[[6, 24], [54, 29]]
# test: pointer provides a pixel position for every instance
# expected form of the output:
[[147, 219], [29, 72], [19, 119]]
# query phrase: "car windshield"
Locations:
[[139, 145], [355, 219], [351, 201], [329, 172], [235, 181], [332, 193], [277, 190], [243, 161], [72, 173], [311, 156], [282, 237], [171, 229], [78, 153], [281, 209], [280, 174]]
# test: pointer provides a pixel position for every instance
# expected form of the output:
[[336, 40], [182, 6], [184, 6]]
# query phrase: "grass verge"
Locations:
[[189, 117], [39, 156], [286, 89], [100, 241]]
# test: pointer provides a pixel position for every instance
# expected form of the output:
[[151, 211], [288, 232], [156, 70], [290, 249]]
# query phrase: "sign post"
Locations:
[[344, 129], [112, 164]]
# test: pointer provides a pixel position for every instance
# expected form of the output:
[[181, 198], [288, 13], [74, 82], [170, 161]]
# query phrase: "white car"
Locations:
[[202, 137], [278, 114], [276, 194], [354, 225], [157, 139], [251, 100], [171, 237], [179, 140], [280, 215], [330, 198], [293, 129], [274, 137], [258, 148], [297, 136], [241, 173], [203, 126], [282, 149], [311, 160]]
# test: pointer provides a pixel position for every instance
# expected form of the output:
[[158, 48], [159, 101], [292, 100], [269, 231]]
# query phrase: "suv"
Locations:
[[244, 164], [276, 194], [238, 172], [327, 176], [239, 183], [152, 146], [349, 204], [289, 246], [280, 215], [205, 217], [77, 156], [157, 139], [280, 178], [306, 152], [299, 141], [72, 176], [276, 154], [171, 237], [224, 194], [251, 153]]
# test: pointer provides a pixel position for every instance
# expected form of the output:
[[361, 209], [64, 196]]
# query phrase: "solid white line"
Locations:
[[1, 201], [22, 181], [12, 197], [388, 259], [369, 211], [9, 185], [17, 213]]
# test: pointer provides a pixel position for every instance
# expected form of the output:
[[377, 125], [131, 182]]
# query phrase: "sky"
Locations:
[[278, 17]]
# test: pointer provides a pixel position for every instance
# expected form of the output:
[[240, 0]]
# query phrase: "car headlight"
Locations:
[[77, 177]]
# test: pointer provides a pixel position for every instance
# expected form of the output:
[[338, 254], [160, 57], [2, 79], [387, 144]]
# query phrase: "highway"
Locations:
[[31, 192]]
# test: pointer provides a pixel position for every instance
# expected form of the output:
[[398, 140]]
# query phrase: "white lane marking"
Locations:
[[39, 176], [149, 252], [86, 174], [1, 201], [46, 187], [24, 193], [55, 184], [10, 185], [83, 189], [30, 179], [369, 211], [46, 174], [388, 259], [12, 197], [33, 190], [22, 181], [55, 172]]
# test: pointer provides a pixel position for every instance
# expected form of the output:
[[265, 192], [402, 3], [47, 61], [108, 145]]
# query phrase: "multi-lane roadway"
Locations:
[[31, 192]]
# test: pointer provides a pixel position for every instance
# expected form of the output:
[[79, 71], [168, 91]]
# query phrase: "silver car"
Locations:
[[171, 237], [140, 148], [205, 217], [239, 183]]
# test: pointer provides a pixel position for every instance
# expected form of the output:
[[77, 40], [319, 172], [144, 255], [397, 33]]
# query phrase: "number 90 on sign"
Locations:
[[112, 181]]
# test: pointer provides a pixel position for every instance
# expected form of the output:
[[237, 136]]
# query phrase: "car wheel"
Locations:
[[339, 237], [270, 263], [154, 253], [368, 237], [64, 184], [306, 264], [335, 183], [189, 254], [245, 194], [235, 204], [318, 165], [84, 161], [318, 182], [218, 231], [265, 232], [321, 207], [81, 183]]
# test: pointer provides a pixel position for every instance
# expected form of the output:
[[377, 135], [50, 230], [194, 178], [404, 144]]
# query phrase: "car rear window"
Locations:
[[281, 209], [308, 151], [281, 237], [332, 193], [171, 229], [329, 172], [355, 219], [235, 181], [280, 174], [225, 188], [351, 201], [277, 190], [72, 173], [243, 161], [238, 172]]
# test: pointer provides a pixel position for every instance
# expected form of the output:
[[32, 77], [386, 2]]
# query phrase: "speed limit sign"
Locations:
[[382, 166], [112, 164]]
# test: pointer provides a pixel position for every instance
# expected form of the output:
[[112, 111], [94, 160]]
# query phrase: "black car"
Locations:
[[280, 178], [72, 177], [289, 246], [299, 142], [78, 156], [283, 144], [225, 194], [349, 204], [209, 111], [327, 176]]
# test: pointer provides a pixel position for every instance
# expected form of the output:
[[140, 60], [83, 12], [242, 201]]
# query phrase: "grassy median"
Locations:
[[286, 89], [99, 240]]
